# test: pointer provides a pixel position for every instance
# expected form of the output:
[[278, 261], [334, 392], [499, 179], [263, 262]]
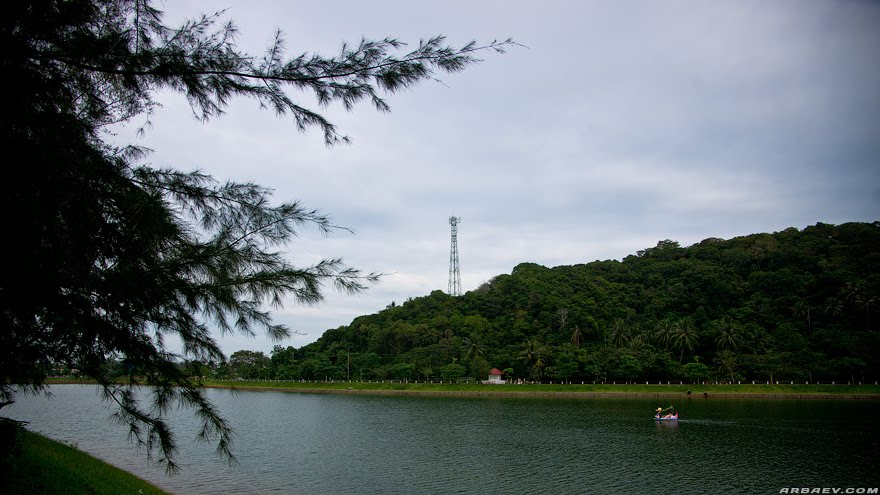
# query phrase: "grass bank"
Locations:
[[760, 390], [566, 390], [49, 467]]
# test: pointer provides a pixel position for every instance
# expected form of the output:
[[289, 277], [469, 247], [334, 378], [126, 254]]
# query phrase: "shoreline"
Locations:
[[47, 465], [556, 394], [549, 391]]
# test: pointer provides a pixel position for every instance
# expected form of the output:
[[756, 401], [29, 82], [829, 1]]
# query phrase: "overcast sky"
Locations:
[[619, 124]]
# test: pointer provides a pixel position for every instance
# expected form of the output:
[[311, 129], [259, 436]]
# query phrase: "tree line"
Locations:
[[793, 305]]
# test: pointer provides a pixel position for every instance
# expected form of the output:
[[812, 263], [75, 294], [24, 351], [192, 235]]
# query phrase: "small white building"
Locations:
[[495, 376]]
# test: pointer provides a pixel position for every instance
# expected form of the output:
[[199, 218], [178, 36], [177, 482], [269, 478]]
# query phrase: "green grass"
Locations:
[[759, 388], [563, 388], [49, 467]]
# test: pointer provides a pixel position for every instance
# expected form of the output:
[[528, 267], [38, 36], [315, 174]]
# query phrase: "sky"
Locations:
[[615, 125]]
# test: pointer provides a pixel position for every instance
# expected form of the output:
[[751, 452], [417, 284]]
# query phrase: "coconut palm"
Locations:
[[867, 302], [685, 336], [535, 349], [472, 347], [802, 311], [664, 333], [534, 352], [855, 293], [529, 352], [728, 334], [639, 339], [619, 335], [833, 307]]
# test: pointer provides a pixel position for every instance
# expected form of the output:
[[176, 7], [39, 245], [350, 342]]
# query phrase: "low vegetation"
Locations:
[[695, 390], [44, 466]]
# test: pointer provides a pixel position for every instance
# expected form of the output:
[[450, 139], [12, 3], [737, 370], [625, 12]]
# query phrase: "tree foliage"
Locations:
[[111, 256], [793, 305]]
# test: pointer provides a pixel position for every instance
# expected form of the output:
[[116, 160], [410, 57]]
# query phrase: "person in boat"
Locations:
[[669, 412]]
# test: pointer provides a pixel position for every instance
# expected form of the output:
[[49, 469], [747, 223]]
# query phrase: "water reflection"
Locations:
[[667, 426]]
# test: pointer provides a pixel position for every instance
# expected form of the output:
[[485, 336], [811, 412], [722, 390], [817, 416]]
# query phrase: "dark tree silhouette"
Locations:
[[110, 256]]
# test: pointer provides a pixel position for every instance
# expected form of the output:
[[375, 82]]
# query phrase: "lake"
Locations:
[[328, 444]]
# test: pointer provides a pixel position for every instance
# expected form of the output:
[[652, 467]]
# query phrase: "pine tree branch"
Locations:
[[363, 71]]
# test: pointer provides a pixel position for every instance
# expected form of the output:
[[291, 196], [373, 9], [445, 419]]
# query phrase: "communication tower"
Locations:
[[454, 270]]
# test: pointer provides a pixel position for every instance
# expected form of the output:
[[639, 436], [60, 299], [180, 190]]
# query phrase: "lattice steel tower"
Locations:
[[454, 270]]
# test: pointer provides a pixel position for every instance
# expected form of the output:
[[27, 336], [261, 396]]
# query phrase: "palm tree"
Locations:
[[619, 335], [685, 336], [472, 347], [529, 352], [833, 307], [639, 339], [868, 302], [855, 293], [851, 291], [664, 333], [802, 311], [728, 334], [534, 351]]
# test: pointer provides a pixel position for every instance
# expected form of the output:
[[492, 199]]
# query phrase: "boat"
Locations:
[[671, 417]]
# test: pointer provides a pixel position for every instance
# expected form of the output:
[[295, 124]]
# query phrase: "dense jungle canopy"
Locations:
[[792, 305]]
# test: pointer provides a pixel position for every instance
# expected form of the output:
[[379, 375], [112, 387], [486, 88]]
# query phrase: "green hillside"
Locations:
[[794, 305]]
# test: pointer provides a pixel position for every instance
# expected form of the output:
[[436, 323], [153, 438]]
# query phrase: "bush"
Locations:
[[452, 372]]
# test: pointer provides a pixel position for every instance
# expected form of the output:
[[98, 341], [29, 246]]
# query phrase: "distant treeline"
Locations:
[[794, 305]]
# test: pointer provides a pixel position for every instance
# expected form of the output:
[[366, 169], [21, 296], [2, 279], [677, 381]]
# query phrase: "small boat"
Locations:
[[671, 417]]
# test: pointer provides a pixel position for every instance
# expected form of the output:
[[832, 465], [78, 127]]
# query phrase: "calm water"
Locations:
[[327, 444]]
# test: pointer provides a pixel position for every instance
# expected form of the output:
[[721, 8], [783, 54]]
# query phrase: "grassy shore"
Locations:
[[50, 467], [565, 390], [760, 390]]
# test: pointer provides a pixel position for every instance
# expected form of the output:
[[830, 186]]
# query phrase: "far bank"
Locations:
[[682, 391], [538, 390]]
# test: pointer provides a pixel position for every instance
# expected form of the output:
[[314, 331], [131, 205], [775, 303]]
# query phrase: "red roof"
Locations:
[[495, 371]]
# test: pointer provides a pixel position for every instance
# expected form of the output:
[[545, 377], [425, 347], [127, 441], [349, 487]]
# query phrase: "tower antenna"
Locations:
[[454, 269]]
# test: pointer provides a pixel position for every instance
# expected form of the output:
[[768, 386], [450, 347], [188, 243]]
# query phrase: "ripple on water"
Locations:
[[318, 444]]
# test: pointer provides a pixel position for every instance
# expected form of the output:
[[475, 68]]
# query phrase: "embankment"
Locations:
[[811, 392]]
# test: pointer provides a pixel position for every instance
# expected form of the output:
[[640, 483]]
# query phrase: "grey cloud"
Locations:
[[621, 124]]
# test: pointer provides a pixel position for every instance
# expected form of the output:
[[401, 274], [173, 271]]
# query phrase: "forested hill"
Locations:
[[793, 305]]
